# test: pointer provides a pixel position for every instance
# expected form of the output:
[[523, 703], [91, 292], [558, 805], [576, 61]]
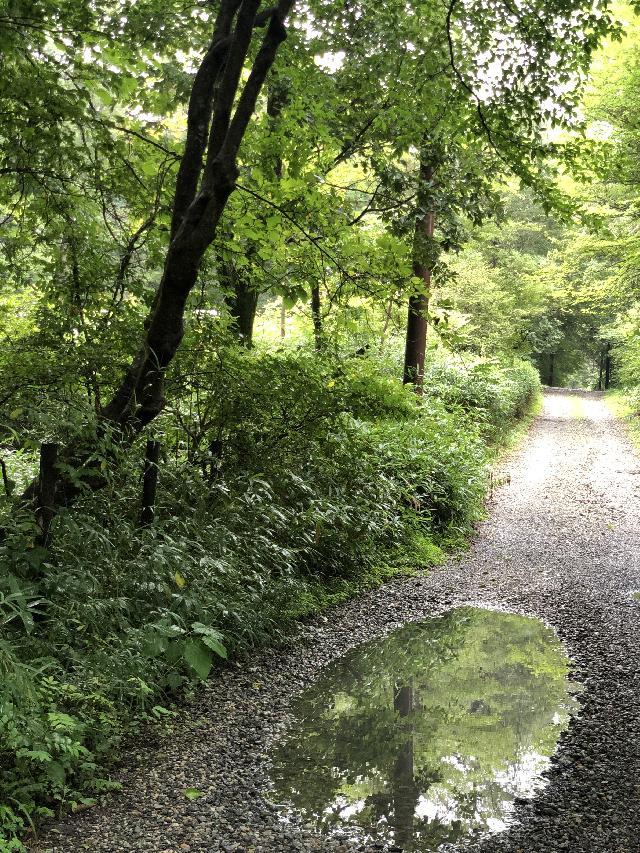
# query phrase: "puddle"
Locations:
[[425, 737]]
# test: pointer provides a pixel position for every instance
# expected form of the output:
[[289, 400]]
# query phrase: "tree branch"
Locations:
[[229, 84], [130, 132], [275, 35], [199, 114]]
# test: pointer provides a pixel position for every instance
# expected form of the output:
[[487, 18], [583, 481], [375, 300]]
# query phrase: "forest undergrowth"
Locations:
[[327, 477]]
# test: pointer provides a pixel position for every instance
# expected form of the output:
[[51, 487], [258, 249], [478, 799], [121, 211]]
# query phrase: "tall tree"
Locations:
[[206, 178], [241, 289], [416, 340]]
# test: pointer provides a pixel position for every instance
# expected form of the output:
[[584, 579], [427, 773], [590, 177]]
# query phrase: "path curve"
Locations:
[[562, 543]]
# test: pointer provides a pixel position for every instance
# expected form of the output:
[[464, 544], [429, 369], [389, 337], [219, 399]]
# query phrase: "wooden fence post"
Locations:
[[6, 482], [149, 483], [45, 511]]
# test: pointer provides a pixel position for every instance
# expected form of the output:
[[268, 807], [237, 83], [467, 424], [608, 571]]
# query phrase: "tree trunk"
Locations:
[[7, 483], [416, 341], [197, 212], [279, 94], [47, 480], [607, 368], [600, 372], [242, 302], [277, 100], [242, 296], [150, 483], [316, 316], [552, 359]]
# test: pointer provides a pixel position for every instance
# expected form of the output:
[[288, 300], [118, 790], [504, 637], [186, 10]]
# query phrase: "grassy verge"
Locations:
[[620, 404], [518, 429], [420, 553]]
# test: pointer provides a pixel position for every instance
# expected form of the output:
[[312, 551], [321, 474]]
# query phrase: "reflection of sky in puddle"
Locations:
[[426, 737]]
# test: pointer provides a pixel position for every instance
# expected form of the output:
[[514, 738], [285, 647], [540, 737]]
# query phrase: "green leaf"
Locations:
[[193, 793], [199, 658], [35, 755], [159, 711], [215, 645], [211, 637]]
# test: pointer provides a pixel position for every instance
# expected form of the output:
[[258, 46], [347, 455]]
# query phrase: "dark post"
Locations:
[[6, 482], [45, 510], [149, 482], [607, 368], [552, 359], [600, 372]]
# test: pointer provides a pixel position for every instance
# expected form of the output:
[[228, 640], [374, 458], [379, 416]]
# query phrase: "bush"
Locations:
[[498, 396]]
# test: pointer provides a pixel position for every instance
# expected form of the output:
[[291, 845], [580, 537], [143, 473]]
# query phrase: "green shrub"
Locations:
[[497, 396]]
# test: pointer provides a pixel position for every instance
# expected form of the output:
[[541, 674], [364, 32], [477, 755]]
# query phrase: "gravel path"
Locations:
[[561, 543]]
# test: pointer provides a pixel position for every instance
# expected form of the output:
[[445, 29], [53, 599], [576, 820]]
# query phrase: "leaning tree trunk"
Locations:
[[221, 105], [202, 192], [416, 341]]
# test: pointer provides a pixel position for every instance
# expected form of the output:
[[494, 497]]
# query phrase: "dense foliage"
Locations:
[[231, 230]]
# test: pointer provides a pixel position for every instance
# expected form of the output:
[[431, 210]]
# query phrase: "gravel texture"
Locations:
[[560, 543]]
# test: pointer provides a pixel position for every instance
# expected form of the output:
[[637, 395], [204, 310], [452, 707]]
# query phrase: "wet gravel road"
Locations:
[[561, 542]]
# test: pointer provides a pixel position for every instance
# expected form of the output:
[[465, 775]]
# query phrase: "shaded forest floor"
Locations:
[[561, 542]]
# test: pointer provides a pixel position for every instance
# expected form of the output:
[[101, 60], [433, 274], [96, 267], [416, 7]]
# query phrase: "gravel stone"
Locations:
[[561, 542]]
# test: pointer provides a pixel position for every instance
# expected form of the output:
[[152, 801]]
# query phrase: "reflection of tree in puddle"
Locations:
[[404, 789], [428, 735]]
